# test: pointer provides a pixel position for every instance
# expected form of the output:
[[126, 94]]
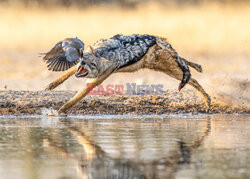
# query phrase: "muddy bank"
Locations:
[[171, 102]]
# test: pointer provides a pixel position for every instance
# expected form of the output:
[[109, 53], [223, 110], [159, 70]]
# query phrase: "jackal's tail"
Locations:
[[196, 66], [186, 72]]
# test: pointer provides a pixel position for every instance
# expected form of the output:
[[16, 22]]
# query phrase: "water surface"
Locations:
[[125, 147]]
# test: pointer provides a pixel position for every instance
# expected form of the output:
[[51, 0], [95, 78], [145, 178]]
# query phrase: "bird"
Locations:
[[64, 54], [119, 53]]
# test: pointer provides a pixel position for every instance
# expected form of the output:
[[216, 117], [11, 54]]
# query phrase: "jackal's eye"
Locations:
[[93, 64], [82, 63]]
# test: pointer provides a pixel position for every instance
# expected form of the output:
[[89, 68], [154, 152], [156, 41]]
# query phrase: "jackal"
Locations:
[[118, 54]]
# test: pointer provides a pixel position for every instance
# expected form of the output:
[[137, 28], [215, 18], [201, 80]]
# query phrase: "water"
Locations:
[[125, 147]]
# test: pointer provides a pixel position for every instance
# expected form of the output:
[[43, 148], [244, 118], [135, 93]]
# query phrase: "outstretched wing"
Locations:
[[64, 54]]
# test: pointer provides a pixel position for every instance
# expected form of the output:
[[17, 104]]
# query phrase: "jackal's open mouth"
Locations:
[[81, 72]]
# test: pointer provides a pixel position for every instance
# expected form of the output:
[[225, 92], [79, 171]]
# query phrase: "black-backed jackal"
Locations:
[[118, 54]]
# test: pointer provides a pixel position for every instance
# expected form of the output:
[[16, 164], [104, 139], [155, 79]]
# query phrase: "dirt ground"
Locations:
[[171, 102]]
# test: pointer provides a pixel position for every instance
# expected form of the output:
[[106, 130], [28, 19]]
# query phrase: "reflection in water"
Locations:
[[125, 148]]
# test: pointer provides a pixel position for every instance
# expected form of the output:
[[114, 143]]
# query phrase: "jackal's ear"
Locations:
[[91, 50]]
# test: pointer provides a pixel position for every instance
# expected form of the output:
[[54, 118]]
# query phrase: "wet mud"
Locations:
[[171, 102]]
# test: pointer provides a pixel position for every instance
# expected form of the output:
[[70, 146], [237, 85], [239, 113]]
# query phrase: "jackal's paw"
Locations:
[[49, 112], [61, 112], [56, 114], [51, 86], [62, 115]]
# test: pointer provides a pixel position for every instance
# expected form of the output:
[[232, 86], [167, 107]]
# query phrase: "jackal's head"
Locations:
[[91, 66]]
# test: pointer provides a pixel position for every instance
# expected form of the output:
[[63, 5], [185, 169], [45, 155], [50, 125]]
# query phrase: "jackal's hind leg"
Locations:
[[175, 69], [62, 78], [194, 83], [177, 74]]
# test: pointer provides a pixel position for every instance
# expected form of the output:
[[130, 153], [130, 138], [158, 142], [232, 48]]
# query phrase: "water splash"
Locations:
[[49, 112]]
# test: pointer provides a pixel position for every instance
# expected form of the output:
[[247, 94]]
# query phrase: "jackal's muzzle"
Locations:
[[81, 72]]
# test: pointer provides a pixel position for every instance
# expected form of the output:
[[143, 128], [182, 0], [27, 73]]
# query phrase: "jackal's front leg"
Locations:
[[60, 80], [81, 94]]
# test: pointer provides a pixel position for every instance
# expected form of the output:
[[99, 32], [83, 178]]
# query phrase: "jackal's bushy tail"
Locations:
[[196, 66]]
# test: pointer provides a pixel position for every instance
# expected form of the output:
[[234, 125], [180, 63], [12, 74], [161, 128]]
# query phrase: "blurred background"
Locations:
[[213, 33]]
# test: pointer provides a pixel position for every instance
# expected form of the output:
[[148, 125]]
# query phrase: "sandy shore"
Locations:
[[171, 102]]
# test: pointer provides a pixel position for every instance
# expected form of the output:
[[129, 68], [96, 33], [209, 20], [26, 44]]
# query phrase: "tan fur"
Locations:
[[159, 57], [62, 78], [81, 94]]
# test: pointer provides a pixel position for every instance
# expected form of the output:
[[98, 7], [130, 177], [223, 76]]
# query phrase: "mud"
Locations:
[[171, 102]]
